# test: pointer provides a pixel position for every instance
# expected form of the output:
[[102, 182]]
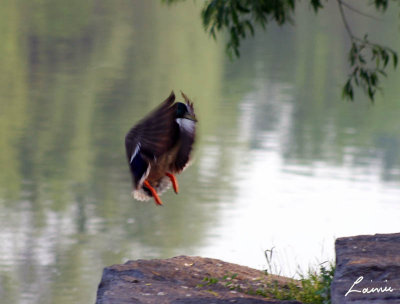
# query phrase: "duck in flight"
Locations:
[[159, 146]]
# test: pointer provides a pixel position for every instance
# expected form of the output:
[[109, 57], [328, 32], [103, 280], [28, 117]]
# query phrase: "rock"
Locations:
[[181, 280], [367, 269]]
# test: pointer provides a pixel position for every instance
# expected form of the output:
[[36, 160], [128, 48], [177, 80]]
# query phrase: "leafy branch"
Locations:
[[239, 17], [365, 73], [368, 60]]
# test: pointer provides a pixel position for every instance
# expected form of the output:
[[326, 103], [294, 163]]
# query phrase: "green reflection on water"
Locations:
[[77, 76]]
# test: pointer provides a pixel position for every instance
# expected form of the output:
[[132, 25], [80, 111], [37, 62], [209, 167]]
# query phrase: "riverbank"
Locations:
[[367, 271]]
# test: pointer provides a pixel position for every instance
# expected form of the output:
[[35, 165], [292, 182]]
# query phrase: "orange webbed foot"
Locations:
[[173, 181], [153, 193]]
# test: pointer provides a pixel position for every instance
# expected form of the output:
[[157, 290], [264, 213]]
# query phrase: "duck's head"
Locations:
[[185, 111]]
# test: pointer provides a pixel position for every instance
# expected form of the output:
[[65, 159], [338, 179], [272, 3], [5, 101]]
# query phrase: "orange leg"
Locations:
[[173, 181], [153, 192]]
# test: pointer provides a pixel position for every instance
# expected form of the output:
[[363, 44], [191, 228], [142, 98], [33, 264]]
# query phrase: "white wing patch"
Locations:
[[140, 183], [186, 124], [137, 149]]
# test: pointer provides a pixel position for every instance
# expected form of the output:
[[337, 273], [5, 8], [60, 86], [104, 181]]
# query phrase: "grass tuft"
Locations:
[[313, 288]]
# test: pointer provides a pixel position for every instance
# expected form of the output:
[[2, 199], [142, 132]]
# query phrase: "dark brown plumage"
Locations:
[[159, 146]]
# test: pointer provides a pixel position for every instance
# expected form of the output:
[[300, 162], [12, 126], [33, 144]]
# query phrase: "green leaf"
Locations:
[[241, 8], [374, 79], [371, 93], [208, 12], [235, 17], [220, 16], [234, 36], [353, 53], [382, 72], [316, 4], [212, 32], [381, 4], [385, 57], [395, 59], [250, 26], [347, 91]]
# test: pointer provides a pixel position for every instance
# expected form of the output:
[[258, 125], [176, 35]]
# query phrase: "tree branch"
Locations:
[[346, 25], [352, 8]]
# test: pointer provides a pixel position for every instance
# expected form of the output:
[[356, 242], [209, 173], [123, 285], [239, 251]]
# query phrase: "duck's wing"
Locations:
[[150, 138], [187, 135]]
